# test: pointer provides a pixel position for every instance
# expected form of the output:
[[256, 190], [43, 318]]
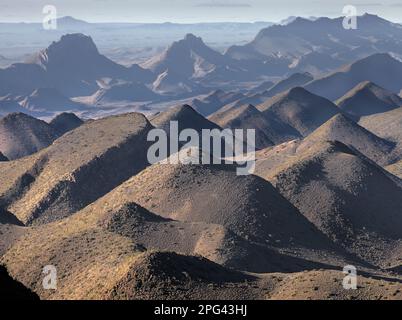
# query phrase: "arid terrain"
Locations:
[[79, 193]]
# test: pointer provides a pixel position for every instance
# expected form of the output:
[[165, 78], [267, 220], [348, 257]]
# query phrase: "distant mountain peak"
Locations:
[[74, 46], [15, 116], [66, 116], [369, 17], [300, 20], [192, 37], [367, 85], [78, 41], [65, 122], [340, 119], [297, 90], [70, 20], [186, 117], [345, 130], [190, 57], [184, 109], [368, 98], [376, 58], [249, 109], [298, 93], [366, 14], [379, 60]]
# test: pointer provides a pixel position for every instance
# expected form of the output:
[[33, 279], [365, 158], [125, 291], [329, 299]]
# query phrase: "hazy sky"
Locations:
[[192, 10]]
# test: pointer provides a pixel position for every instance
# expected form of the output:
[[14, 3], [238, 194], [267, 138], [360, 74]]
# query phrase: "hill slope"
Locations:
[[78, 168], [340, 128], [386, 125], [295, 80], [366, 99], [215, 101], [22, 135], [65, 122], [299, 109], [245, 117], [186, 117], [380, 69], [348, 198]]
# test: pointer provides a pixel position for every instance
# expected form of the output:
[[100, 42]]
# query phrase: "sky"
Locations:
[[190, 11]]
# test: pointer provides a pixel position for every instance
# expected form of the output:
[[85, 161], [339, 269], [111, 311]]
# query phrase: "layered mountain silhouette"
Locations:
[[72, 65], [306, 41], [266, 85], [295, 80], [259, 97], [254, 99], [317, 63], [286, 116], [188, 58], [367, 98], [80, 192], [381, 69]]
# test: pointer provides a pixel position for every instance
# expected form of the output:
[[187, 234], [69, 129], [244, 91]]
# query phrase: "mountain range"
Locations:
[[72, 65], [321, 43], [79, 191], [381, 69]]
